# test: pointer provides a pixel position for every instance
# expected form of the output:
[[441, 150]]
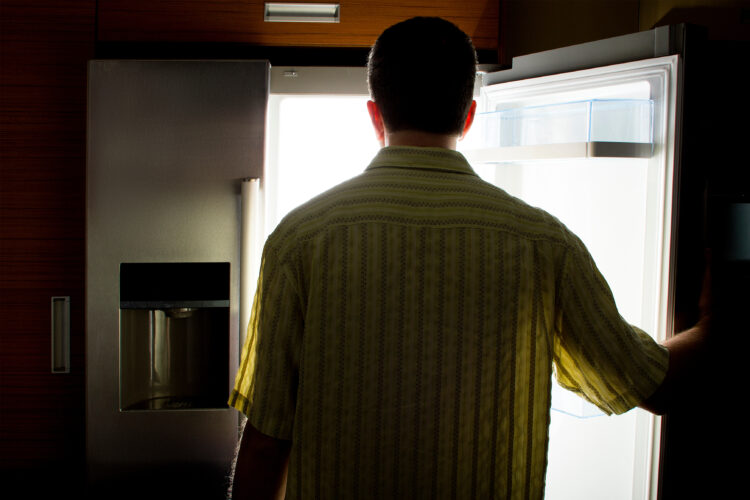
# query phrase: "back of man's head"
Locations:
[[421, 75]]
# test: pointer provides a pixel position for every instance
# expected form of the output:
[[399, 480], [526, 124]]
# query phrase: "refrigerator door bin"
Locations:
[[609, 128]]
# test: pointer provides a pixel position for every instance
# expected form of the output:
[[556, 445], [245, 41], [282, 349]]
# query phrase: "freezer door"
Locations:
[[169, 143], [597, 149]]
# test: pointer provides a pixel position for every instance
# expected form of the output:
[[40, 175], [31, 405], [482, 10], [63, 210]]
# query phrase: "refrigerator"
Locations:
[[175, 152]]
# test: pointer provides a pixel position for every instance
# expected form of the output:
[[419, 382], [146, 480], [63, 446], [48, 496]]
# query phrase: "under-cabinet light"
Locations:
[[302, 12]]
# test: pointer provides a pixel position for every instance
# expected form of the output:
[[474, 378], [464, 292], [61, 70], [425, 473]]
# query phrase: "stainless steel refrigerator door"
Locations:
[[169, 143]]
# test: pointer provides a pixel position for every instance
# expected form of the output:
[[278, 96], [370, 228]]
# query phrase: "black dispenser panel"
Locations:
[[170, 284]]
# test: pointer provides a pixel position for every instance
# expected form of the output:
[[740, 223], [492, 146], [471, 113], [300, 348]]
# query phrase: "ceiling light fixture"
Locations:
[[302, 12]]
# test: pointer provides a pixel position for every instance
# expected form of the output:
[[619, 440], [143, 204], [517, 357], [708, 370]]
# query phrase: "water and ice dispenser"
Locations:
[[174, 341]]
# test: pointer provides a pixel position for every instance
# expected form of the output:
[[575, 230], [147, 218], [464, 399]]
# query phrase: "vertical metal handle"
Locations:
[[60, 352], [251, 233]]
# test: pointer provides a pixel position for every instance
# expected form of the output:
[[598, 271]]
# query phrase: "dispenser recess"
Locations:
[[174, 335]]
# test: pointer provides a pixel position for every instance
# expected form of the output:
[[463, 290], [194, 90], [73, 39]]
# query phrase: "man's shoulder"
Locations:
[[516, 215], [311, 214]]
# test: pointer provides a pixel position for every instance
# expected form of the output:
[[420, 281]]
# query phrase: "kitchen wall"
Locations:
[[722, 17], [242, 22], [45, 46], [535, 25]]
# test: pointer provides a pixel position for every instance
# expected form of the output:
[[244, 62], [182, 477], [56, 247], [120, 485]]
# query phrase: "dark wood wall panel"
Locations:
[[45, 46], [234, 21]]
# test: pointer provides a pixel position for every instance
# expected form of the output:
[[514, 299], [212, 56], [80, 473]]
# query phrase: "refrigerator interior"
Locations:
[[318, 135], [620, 207]]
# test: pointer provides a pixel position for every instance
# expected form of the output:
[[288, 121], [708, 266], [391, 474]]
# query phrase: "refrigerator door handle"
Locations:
[[250, 236]]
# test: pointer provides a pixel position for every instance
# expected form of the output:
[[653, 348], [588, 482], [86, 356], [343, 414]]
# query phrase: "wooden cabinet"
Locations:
[[45, 45], [361, 21]]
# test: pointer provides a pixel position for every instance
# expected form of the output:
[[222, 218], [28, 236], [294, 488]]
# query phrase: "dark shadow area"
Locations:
[[278, 56], [159, 482], [706, 434]]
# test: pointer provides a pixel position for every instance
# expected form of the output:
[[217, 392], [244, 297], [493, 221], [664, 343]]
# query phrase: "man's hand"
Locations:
[[685, 352]]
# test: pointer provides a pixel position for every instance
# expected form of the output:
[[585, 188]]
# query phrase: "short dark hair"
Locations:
[[421, 75]]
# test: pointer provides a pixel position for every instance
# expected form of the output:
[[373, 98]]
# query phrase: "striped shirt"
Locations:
[[405, 332]]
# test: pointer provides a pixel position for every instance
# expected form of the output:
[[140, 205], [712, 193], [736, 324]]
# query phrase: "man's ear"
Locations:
[[469, 118], [377, 121]]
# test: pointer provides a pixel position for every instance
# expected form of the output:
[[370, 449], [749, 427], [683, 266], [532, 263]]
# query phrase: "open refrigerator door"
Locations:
[[596, 149]]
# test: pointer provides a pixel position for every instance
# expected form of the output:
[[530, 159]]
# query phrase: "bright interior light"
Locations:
[[322, 141]]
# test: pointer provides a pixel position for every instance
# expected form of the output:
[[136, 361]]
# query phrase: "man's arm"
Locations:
[[685, 352], [261, 466]]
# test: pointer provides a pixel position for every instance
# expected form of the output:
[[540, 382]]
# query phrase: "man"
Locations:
[[407, 321]]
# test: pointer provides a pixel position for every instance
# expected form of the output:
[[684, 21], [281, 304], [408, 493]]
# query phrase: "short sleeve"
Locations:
[[266, 384], [597, 354]]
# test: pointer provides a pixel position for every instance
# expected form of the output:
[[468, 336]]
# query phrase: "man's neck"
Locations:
[[420, 139]]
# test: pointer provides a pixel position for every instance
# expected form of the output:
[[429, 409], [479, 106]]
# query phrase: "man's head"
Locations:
[[421, 76]]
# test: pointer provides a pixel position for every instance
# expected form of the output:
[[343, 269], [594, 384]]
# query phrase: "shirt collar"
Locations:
[[446, 160]]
